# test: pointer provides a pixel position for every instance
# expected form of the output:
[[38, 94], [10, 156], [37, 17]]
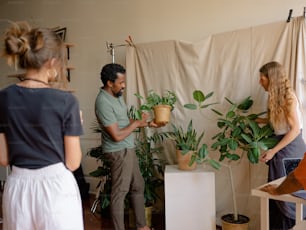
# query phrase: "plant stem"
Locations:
[[233, 191]]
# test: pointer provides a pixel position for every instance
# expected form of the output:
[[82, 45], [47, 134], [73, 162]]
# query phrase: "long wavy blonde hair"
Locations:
[[281, 94]]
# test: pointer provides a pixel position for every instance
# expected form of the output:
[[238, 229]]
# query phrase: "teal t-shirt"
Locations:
[[110, 110]]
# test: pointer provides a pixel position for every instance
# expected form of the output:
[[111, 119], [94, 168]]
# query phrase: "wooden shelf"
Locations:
[[17, 75], [69, 68]]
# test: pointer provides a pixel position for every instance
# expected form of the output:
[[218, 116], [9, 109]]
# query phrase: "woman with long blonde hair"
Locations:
[[285, 116]]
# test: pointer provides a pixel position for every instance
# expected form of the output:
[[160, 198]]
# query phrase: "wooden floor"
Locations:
[[98, 221]]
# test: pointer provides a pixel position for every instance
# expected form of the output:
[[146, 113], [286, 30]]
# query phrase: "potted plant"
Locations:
[[103, 172], [152, 170], [161, 105], [189, 152], [151, 167], [240, 134]]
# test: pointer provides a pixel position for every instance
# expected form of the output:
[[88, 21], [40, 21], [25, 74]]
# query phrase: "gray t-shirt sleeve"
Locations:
[[105, 113]]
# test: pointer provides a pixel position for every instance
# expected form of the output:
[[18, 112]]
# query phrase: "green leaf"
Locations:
[[229, 101], [236, 132], [209, 95], [230, 114], [97, 173], [190, 106], [253, 155], [203, 151], [233, 156], [245, 104], [252, 116], [198, 96], [220, 124], [246, 138], [214, 164], [255, 128], [270, 142], [206, 105], [233, 145], [217, 112]]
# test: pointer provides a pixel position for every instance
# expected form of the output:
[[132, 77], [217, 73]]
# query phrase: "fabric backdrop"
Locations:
[[226, 64]]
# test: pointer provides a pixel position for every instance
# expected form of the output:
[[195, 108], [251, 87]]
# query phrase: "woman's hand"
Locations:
[[266, 156]]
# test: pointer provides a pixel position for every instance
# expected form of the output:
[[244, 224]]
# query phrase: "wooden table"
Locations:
[[264, 204]]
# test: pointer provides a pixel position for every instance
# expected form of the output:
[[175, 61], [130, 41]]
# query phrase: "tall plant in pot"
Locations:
[[239, 135], [152, 169], [161, 105]]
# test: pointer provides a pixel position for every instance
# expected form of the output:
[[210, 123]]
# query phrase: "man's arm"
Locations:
[[118, 134]]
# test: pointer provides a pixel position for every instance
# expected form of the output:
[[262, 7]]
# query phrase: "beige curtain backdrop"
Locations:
[[228, 65]]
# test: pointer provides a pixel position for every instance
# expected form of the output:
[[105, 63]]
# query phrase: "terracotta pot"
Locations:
[[184, 160], [228, 222], [162, 113]]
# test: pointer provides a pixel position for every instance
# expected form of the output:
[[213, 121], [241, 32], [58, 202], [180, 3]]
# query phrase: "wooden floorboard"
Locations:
[[96, 221]]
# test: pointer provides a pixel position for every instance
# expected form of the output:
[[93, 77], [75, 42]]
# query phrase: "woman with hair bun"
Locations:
[[285, 116], [39, 135]]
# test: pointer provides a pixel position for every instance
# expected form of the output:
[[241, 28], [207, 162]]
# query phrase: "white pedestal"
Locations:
[[189, 199]]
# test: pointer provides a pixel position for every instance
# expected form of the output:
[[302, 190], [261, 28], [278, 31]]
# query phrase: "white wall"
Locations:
[[90, 23]]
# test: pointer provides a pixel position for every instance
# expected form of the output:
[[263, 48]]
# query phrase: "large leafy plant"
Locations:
[[240, 133], [151, 167]]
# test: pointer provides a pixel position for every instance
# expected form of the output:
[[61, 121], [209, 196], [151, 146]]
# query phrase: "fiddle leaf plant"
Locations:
[[200, 98], [240, 131]]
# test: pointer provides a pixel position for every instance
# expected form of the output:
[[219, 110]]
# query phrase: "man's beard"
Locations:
[[119, 94]]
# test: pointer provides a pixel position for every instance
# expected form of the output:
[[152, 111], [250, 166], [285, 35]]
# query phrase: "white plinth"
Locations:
[[189, 199]]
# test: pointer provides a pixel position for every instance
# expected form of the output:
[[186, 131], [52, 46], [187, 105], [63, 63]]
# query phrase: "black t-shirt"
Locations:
[[35, 121]]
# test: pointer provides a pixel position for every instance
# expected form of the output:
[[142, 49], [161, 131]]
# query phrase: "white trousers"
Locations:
[[42, 199]]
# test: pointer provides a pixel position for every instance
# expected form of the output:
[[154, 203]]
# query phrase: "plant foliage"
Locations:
[[153, 99], [240, 131]]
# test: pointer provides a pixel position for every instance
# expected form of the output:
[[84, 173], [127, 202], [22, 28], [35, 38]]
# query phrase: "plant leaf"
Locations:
[[198, 96], [245, 104], [190, 106]]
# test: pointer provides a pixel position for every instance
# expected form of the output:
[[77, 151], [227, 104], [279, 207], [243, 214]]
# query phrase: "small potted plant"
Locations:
[[189, 152], [161, 105]]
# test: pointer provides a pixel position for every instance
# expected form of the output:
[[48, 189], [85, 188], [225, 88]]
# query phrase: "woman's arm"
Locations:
[[3, 150], [73, 153], [293, 122]]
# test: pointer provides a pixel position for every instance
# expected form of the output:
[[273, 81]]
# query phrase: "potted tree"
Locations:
[[161, 105], [240, 134]]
